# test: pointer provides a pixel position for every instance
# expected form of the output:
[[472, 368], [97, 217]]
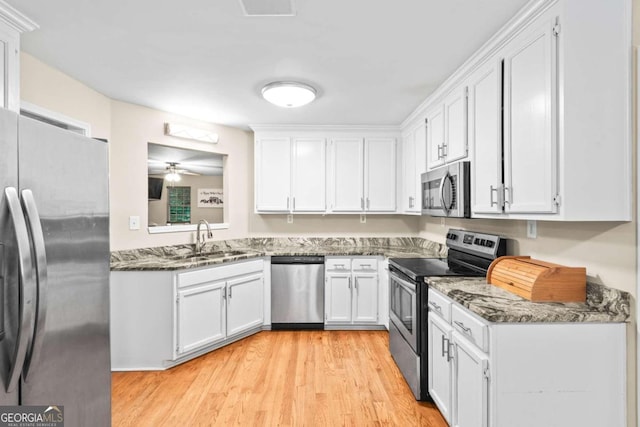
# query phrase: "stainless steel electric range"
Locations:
[[470, 254]]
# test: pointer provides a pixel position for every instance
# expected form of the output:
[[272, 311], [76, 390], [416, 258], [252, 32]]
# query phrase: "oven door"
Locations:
[[403, 309]]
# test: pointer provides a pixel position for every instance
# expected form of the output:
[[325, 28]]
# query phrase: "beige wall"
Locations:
[[132, 127], [49, 88]]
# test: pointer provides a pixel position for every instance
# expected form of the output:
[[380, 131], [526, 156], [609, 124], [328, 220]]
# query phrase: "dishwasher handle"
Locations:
[[297, 260]]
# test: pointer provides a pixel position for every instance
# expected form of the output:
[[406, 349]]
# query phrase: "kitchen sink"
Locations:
[[207, 255]]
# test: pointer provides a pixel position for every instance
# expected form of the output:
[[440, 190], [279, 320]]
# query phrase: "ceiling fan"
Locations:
[[172, 173]]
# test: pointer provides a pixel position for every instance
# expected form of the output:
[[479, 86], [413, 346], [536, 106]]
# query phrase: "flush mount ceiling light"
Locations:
[[188, 132], [288, 94]]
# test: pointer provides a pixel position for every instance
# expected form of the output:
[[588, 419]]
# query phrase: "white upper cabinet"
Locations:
[[273, 174], [380, 175], [290, 174], [309, 166], [549, 126], [485, 105], [530, 120], [347, 175], [447, 129], [363, 175], [12, 24], [302, 169], [414, 163]]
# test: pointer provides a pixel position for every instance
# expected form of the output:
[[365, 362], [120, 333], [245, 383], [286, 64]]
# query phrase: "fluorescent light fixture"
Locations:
[[288, 94], [188, 132]]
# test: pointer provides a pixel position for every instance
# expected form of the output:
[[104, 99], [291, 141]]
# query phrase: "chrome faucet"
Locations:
[[201, 238]]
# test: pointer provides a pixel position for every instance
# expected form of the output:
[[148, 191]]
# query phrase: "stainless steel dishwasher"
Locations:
[[297, 292]]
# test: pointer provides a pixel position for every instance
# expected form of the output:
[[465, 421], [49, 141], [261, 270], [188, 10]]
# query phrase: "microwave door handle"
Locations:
[[27, 288], [442, 181], [37, 236]]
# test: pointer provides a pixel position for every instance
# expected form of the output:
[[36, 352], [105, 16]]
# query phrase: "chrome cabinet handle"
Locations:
[[288, 203], [491, 190], [27, 288], [439, 151], [445, 347], [411, 202], [37, 237], [444, 150], [294, 203], [349, 281], [450, 353], [464, 328], [507, 190], [362, 203], [355, 283], [435, 306]]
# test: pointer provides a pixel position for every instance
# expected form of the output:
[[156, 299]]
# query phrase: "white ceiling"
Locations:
[[372, 61]]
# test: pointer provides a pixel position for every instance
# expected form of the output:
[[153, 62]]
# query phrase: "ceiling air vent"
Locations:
[[267, 7]]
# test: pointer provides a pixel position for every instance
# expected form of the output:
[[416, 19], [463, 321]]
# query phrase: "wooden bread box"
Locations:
[[538, 281]]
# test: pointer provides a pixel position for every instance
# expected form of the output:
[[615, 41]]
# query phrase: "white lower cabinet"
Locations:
[[244, 303], [201, 316], [162, 318], [524, 374], [469, 383], [351, 291], [440, 366]]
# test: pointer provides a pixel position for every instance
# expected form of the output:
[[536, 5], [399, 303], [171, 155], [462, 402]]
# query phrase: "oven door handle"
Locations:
[[411, 287]]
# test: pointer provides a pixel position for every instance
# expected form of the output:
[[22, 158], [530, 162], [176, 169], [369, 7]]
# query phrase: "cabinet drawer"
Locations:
[[365, 264], [440, 305], [338, 264], [219, 273], [470, 327]]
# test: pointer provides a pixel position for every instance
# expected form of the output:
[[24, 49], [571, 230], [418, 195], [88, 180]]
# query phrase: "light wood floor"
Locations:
[[283, 378]]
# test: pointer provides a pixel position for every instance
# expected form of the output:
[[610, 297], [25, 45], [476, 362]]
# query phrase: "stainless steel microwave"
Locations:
[[446, 191]]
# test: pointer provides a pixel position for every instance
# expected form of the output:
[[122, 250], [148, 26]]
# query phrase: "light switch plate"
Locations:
[[289, 219], [532, 229], [134, 223]]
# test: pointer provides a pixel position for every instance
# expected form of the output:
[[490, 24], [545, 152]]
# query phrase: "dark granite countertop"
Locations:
[[179, 257], [497, 305]]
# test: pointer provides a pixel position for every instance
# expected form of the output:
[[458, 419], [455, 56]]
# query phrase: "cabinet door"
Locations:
[[309, 175], [201, 316], [380, 175], [455, 113], [485, 104], [470, 385], [530, 120], [347, 175], [408, 172], [414, 163], [337, 298], [365, 298], [435, 137], [439, 364], [9, 68], [273, 175], [245, 303]]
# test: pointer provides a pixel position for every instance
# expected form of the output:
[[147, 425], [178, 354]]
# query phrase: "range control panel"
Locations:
[[483, 244]]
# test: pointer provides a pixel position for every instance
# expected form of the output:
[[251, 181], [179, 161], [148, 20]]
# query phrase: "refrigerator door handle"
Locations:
[[27, 298], [37, 237]]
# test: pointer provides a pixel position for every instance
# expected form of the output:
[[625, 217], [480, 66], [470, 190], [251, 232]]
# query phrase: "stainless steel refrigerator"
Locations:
[[54, 270]]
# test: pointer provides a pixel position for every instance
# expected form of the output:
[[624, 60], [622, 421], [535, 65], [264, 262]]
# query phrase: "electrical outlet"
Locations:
[[289, 219], [134, 223], [442, 222], [363, 219], [532, 229]]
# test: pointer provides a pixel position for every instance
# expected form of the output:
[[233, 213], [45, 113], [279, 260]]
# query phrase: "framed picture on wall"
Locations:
[[210, 198]]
